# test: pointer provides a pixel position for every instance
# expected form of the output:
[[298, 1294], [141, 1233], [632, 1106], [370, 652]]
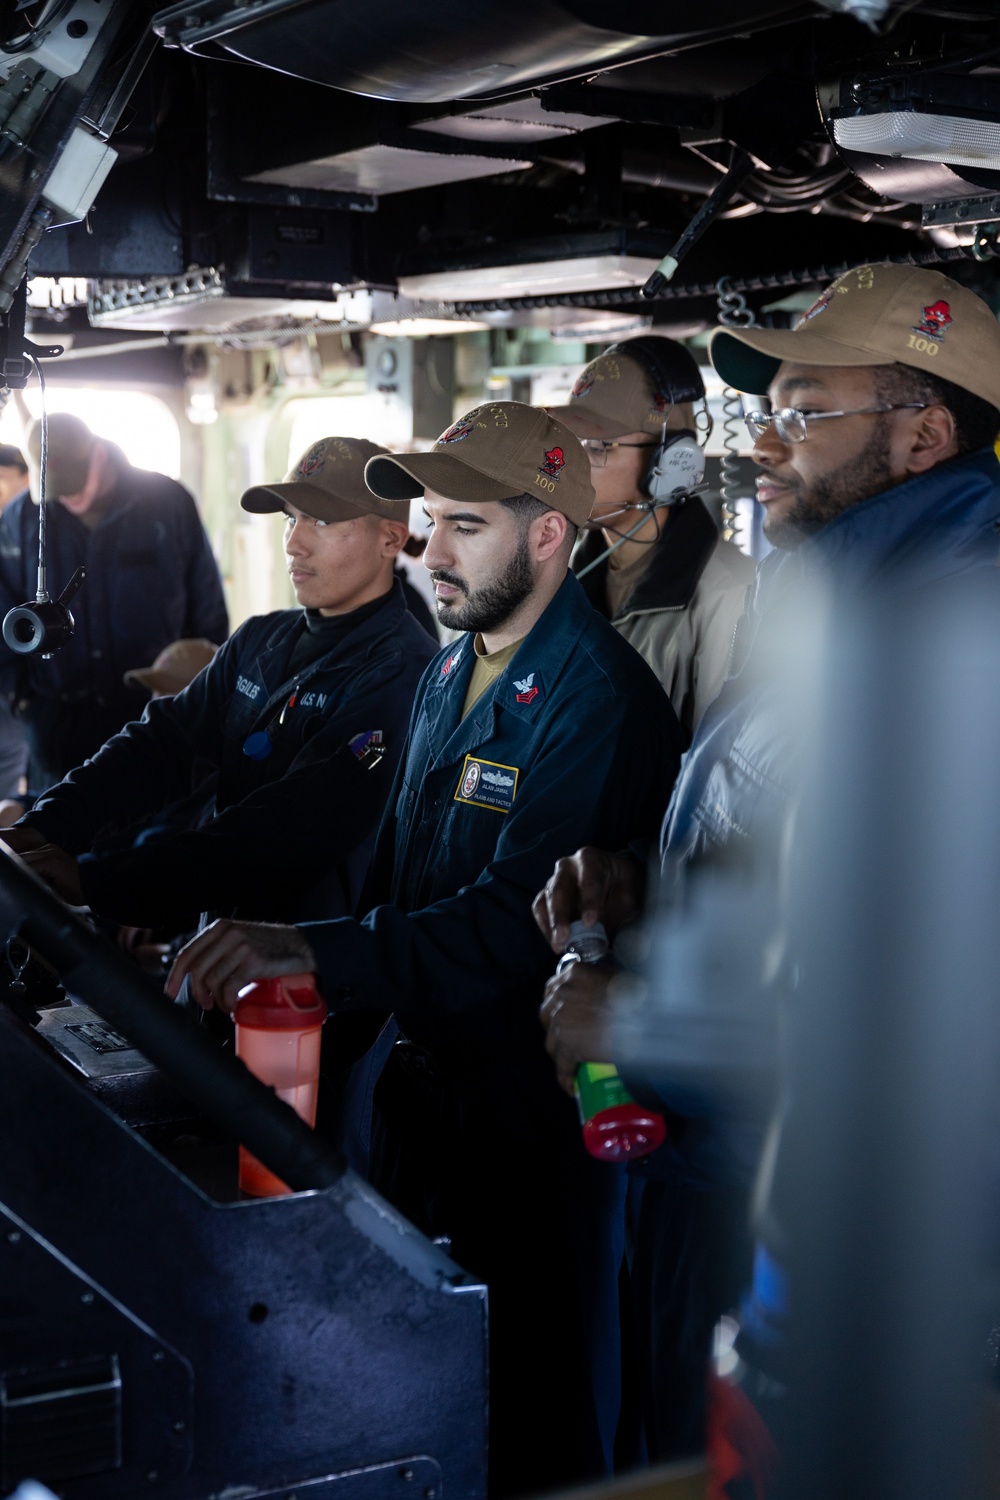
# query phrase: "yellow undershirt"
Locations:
[[486, 671]]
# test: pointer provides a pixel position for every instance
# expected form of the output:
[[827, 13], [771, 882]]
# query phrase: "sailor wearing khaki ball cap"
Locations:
[[879, 481], [300, 718], [891, 373], [540, 729], [652, 560]]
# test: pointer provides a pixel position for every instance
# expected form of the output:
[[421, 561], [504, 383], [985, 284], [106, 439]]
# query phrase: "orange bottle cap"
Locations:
[[288, 1003]]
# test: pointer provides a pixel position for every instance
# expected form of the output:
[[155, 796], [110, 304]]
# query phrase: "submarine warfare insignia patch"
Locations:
[[485, 783]]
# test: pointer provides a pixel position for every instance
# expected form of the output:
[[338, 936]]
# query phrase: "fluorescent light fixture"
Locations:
[[588, 273], [919, 137], [420, 328]]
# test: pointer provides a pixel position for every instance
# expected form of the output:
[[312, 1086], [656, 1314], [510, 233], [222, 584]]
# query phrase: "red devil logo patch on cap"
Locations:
[[555, 462], [935, 320]]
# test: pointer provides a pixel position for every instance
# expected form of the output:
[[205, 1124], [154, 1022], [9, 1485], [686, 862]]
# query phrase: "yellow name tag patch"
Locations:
[[485, 783]]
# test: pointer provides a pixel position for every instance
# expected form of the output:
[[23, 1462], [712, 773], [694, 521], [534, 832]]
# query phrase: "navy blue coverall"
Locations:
[[576, 743], [292, 832], [151, 579]]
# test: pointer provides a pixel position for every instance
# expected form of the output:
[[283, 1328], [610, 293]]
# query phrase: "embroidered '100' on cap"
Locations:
[[494, 452], [875, 315]]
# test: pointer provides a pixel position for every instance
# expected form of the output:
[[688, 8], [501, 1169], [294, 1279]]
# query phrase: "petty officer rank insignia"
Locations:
[[485, 783], [526, 689]]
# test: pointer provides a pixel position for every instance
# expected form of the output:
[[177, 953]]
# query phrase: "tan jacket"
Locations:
[[682, 613]]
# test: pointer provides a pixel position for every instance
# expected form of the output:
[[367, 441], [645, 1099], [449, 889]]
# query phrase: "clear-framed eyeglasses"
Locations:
[[792, 425], [597, 449]]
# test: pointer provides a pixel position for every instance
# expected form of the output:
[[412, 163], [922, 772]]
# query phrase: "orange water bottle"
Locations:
[[616, 1127], [279, 1023]]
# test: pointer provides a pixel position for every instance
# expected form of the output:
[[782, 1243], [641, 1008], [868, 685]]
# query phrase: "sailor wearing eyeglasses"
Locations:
[[878, 477], [651, 559]]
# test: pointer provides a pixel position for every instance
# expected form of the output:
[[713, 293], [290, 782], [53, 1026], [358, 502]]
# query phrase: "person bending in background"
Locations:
[[151, 579]]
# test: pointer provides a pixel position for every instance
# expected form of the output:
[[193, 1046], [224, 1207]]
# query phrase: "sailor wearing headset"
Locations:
[[651, 559]]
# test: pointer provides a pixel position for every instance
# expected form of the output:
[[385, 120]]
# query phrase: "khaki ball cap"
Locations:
[[327, 483], [875, 315], [495, 452]]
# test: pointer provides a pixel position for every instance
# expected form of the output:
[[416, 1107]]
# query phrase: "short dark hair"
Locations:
[[12, 458], [527, 509], [977, 422]]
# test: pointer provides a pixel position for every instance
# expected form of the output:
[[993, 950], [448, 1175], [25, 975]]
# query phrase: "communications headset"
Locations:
[[676, 468], [677, 464]]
